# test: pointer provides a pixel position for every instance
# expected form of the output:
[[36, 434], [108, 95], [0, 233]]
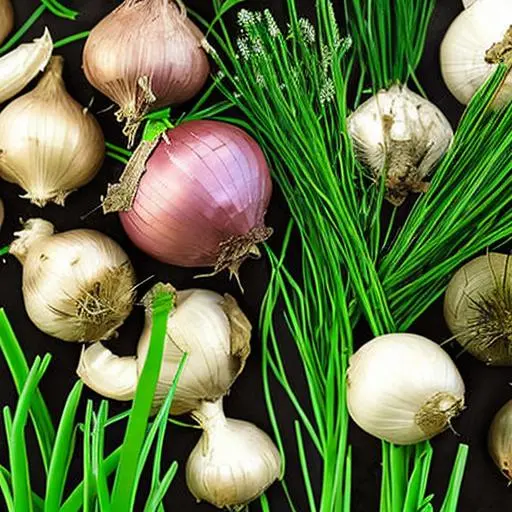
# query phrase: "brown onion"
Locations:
[[196, 197], [6, 19], [146, 55]]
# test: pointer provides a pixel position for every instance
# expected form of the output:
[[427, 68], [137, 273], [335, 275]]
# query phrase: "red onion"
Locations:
[[146, 55], [202, 197]]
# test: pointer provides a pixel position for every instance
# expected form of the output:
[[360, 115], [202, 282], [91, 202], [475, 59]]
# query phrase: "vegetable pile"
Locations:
[[390, 209]]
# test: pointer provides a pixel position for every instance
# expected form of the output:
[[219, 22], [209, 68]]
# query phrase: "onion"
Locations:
[[197, 197], [146, 55]]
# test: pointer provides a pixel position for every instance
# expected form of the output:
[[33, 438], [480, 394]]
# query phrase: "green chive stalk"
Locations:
[[298, 114], [57, 445]]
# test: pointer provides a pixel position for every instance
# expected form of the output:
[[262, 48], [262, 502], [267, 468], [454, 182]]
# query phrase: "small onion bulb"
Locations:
[[6, 19], [500, 440], [233, 463], [210, 328], [49, 144], [399, 135], [403, 388], [476, 42], [478, 308], [146, 55], [77, 286]]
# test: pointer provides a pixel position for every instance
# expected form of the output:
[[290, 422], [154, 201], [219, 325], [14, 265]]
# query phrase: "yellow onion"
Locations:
[[146, 55], [77, 286], [49, 144], [6, 19]]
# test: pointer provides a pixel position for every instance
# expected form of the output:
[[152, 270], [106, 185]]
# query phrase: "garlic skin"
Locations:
[[500, 440], [478, 39], [403, 388], [6, 19], [78, 286], [478, 305], [49, 144], [211, 329], [21, 65], [146, 55], [117, 376], [215, 334], [399, 135], [233, 463]]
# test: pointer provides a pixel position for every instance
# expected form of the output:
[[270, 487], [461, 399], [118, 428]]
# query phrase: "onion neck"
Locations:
[[210, 416], [34, 231], [52, 80]]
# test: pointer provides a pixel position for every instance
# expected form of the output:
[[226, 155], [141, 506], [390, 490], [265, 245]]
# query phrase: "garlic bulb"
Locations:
[[500, 440], [211, 329], [22, 64], [403, 388], [49, 144], [478, 39], [233, 463], [402, 136], [6, 19], [78, 285], [478, 308], [146, 55]]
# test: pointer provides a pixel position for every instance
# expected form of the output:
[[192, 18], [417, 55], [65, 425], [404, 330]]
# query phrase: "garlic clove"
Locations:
[[468, 3], [477, 308], [403, 388], [109, 375], [401, 135], [6, 19], [22, 64], [78, 286], [49, 144], [233, 463], [215, 334], [469, 50], [500, 440]]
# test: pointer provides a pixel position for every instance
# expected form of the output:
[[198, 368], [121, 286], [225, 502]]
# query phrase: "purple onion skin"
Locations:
[[209, 184], [146, 38]]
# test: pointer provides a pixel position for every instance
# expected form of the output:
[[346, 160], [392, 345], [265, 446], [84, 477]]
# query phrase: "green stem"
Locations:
[[71, 39], [23, 29]]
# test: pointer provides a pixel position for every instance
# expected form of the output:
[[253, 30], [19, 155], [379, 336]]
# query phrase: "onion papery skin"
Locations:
[[146, 38], [208, 184]]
